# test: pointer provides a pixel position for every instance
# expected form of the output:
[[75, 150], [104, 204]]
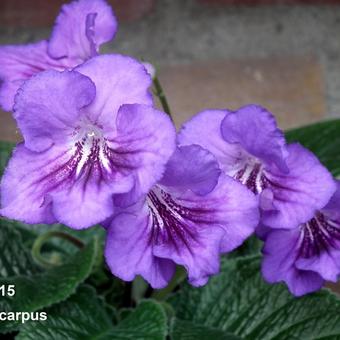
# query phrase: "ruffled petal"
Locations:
[[326, 264], [278, 264], [144, 142], [255, 130], [192, 167], [200, 257], [297, 195], [46, 187], [129, 250], [119, 80], [194, 229], [204, 129], [21, 62], [47, 107], [81, 27]]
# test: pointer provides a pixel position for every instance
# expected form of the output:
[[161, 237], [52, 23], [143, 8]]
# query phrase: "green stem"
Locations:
[[42, 239], [161, 95], [162, 294]]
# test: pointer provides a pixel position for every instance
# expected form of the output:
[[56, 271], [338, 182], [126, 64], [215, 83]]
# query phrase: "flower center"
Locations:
[[171, 222], [252, 176], [90, 150], [318, 235]]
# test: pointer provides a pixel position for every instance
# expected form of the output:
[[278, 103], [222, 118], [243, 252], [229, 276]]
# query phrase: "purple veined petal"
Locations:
[[179, 227], [144, 140], [75, 165], [192, 167], [47, 107], [79, 178], [192, 230], [255, 130], [55, 185], [297, 195], [119, 80], [319, 249], [279, 254], [21, 62], [129, 249], [81, 27], [204, 129]]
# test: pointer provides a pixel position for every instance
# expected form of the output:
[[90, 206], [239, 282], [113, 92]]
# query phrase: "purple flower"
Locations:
[[81, 27], [307, 255], [289, 179], [190, 217], [89, 134]]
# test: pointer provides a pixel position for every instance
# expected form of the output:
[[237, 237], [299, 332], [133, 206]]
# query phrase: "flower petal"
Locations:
[[241, 212], [204, 129], [255, 129], [200, 258], [44, 188], [192, 167], [326, 264], [81, 27], [47, 107], [333, 206], [145, 140], [19, 63], [129, 250], [279, 254], [119, 80], [195, 228], [297, 195]]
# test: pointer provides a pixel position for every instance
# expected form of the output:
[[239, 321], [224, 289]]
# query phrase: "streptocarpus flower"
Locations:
[[81, 27], [309, 254], [290, 181], [190, 217], [89, 134]]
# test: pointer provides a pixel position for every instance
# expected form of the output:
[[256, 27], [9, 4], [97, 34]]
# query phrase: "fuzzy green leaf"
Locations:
[[40, 290], [239, 302]]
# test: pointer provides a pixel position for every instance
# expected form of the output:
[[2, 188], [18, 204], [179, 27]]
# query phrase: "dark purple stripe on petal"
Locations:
[[172, 222], [318, 235], [253, 177]]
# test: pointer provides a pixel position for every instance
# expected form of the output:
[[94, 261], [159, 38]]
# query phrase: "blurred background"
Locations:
[[283, 54]]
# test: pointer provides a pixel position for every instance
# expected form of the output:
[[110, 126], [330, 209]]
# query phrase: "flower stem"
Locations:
[[161, 96], [42, 239]]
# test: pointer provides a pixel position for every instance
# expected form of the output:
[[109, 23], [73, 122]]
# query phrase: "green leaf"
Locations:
[[84, 316], [147, 322], [323, 139], [15, 259], [44, 289], [238, 301], [186, 330], [5, 153]]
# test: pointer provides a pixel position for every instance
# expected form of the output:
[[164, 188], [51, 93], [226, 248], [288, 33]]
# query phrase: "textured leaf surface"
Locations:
[[186, 330], [15, 259], [238, 301], [44, 289], [147, 322], [84, 316], [323, 139]]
